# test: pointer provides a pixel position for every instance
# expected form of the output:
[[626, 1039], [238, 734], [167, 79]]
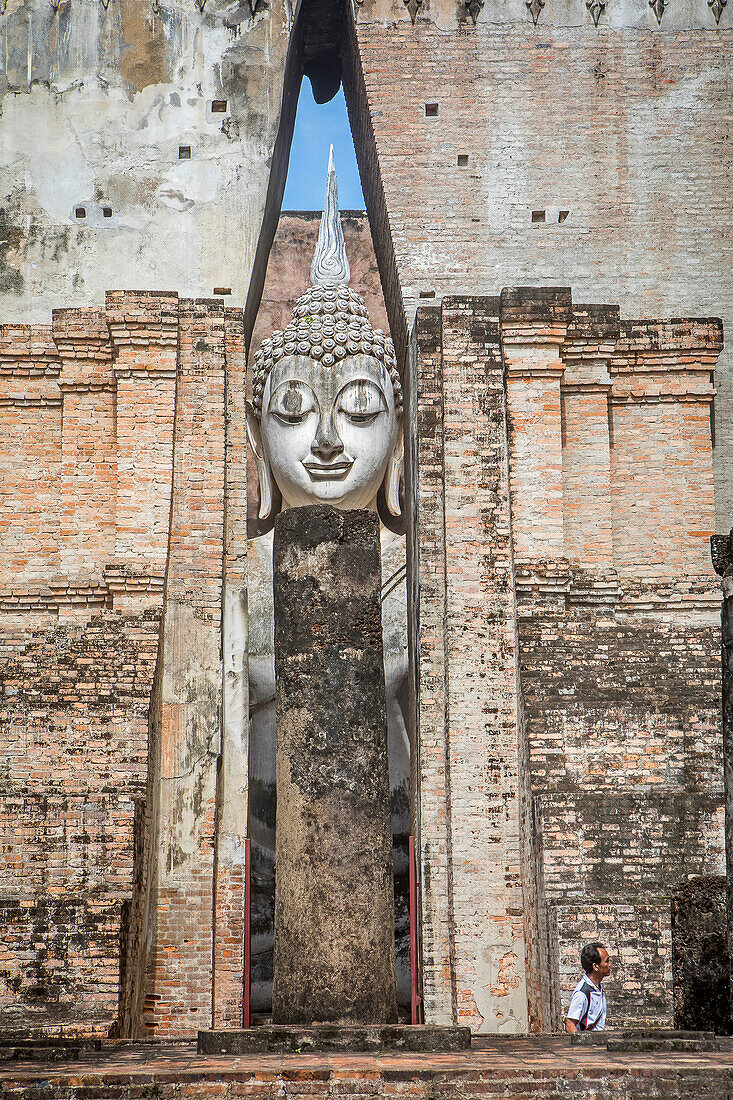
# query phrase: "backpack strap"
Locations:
[[587, 989]]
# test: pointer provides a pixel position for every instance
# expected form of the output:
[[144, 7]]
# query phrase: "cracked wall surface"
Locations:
[[111, 109]]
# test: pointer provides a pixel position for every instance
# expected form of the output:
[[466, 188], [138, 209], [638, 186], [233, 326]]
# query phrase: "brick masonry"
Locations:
[[73, 712], [477, 746], [83, 554], [86, 463], [78, 697], [564, 644], [618, 663]]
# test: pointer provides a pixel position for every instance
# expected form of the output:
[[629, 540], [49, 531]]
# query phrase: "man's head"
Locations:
[[595, 960]]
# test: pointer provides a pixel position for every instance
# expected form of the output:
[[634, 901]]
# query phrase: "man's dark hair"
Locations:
[[590, 956]]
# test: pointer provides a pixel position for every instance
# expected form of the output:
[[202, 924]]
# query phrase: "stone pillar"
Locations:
[[334, 903]]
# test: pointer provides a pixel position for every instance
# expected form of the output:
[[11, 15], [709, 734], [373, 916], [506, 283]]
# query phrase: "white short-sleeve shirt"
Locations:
[[590, 1008]]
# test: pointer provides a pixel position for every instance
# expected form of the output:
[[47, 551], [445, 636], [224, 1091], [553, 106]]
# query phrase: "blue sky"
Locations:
[[316, 128]]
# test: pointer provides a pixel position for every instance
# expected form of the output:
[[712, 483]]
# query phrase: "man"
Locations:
[[587, 1010]]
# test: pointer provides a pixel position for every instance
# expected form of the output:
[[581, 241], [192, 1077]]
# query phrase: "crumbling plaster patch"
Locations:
[[96, 104]]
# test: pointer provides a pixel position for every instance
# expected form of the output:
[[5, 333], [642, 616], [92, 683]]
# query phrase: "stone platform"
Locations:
[[330, 1038], [547, 1068]]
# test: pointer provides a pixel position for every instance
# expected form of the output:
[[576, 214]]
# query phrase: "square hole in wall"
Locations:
[[427, 293], [562, 215], [431, 110], [80, 212], [538, 216], [463, 160], [222, 290], [184, 152], [218, 106], [106, 211]]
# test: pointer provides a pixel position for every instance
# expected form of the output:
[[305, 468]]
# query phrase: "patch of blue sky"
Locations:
[[317, 127]]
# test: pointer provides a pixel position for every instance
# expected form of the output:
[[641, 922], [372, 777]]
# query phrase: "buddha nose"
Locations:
[[327, 443]]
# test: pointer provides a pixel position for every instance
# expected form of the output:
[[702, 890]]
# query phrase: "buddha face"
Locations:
[[328, 434]]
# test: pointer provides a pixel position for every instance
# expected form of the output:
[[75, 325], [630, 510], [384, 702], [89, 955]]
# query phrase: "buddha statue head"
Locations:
[[325, 422]]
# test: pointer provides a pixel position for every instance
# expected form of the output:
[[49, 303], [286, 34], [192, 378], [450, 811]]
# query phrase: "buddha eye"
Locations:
[[292, 402], [361, 401]]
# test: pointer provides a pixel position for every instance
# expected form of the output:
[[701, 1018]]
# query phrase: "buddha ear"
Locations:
[[264, 475], [393, 474]]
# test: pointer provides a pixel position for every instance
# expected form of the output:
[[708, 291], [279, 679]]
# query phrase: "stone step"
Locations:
[[664, 1033], [294, 1039], [46, 1050], [661, 1046]]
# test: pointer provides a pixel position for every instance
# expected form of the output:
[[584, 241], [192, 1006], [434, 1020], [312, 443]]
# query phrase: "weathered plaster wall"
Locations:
[[615, 138], [97, 99]]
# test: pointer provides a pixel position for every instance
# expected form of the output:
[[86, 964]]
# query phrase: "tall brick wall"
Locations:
[[471, 742], [86, 462], [617, 638], [79, 640], [563, 639], [174, 936], [89, 800]]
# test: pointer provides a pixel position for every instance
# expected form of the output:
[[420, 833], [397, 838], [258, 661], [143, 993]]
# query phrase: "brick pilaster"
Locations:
[[144, 333], [533, 326], [482, 915], [88, 445], [586, 455], [231, 831], [183, 774], [429, 763]]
